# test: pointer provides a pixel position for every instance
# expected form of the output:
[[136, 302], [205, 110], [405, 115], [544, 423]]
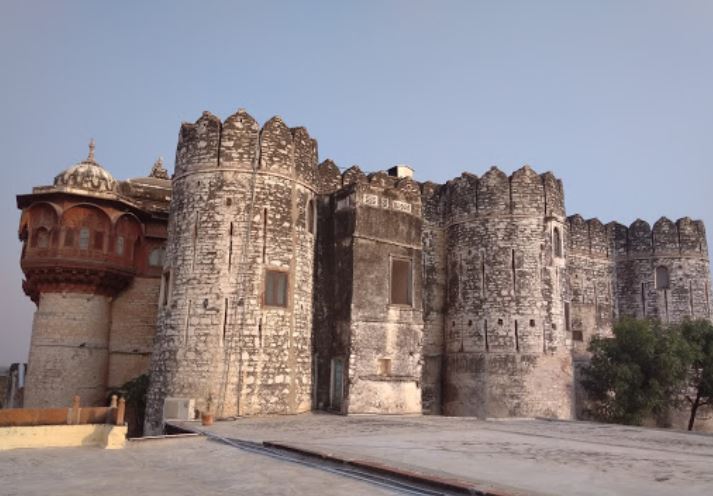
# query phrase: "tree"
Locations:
[[637, 372], [699, 391]]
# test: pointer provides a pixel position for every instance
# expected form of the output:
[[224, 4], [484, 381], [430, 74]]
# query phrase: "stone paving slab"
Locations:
[[166, 467], [532, 456]]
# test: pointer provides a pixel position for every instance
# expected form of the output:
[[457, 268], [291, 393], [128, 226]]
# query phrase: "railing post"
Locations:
[[120, 412], [74, 418]]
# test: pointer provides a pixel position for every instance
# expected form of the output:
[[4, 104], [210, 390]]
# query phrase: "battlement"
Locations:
[[240, 143], [494, 193], [589, 237], [683, 237]]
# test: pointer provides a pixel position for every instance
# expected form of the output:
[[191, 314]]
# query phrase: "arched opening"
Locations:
[[128, 230], [85, 227], [40, 238], [662, 277], [119, 245]]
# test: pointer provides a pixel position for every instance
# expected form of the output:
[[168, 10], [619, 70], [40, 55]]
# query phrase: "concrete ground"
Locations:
[[169, 467], [518, 456]]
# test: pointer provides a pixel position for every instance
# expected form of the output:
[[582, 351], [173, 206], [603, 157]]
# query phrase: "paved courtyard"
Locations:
[[171, 467], [516, 457], [522, 456]]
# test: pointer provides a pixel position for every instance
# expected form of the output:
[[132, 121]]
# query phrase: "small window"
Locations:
[[577, 336], [557, 242], [41, 238], [84, 238], [401, 282], [156, 257], [69, 238], [311, 216], [120, 245], [384, 366], [275, 288], [662, 278], [99, 241], [165, 288], [566, 316]]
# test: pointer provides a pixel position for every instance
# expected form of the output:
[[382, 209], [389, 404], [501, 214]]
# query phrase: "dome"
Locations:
[[87, 174]]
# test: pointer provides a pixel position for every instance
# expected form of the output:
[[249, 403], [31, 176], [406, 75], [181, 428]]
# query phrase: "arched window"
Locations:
[[120, 245], [68, 237], [662, 279], [84, 238], [156, 258], [557, 242], [41, 239]]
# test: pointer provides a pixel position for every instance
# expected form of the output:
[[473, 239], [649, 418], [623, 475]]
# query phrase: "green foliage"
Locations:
[[637, 373], [134, 392], [699, 388]]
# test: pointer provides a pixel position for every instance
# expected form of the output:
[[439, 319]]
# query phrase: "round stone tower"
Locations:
[[504, 322], [235, 320], [663, 273]]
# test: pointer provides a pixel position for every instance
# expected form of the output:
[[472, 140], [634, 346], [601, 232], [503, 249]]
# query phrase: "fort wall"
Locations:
[[242, 200], [505, 350]]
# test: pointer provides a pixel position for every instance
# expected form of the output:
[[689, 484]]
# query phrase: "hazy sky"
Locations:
[[615, 97]]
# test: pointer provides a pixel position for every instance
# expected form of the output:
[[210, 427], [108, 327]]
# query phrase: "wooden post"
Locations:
[[74, 415], [121, 411], [113, 401]]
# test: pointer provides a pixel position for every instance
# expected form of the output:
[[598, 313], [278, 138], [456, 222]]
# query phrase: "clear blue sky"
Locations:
[[615, 97]]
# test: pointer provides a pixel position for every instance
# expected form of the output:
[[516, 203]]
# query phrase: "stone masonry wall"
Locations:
[[68, 328], [133, 326], [240, 201], [384, 369], [505, 339], [678, 247]]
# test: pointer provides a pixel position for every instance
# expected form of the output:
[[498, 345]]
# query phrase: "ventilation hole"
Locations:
[[532, 322], [554, 327], [470, 323], [453, 324], [229, 201], [500, 322]]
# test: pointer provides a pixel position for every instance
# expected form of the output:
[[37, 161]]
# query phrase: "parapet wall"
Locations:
[[523, 193]]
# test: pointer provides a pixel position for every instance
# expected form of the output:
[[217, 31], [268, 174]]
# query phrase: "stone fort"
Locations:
[[257, 280]]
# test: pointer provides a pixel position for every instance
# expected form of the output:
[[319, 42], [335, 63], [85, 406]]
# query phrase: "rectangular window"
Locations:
[[566, 316], [401, 282], [275, 288], [384, 366]]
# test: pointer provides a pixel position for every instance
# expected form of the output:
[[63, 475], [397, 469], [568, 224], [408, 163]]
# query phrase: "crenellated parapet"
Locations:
[[198, 144], [379, 190], [239, 143], [589, 237], [523, 193], [683, 237], [328, 178]]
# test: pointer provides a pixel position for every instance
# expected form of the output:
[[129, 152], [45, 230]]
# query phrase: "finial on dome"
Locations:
[[158, 170], [90, 157]]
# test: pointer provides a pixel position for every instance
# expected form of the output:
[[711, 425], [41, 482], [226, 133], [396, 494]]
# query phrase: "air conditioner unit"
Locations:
[[179, 409]]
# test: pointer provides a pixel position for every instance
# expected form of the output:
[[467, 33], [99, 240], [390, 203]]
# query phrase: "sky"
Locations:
[[614, 96]]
